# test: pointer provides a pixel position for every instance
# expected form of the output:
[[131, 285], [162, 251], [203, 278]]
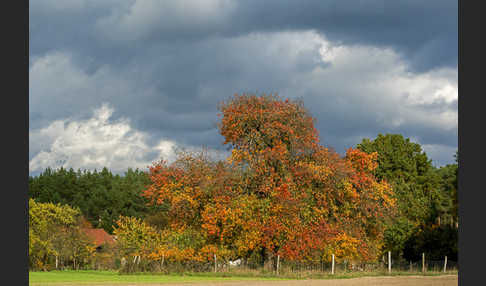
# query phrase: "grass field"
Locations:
[[93, 277], [90, 277]]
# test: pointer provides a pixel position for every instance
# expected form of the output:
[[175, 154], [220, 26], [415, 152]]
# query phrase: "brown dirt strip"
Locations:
[[443, 280]]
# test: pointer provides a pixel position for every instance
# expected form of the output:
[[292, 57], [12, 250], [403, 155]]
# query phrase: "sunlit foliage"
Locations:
[[279, 193]]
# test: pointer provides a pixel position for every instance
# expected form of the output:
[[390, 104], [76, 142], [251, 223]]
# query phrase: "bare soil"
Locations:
[[443, 280]]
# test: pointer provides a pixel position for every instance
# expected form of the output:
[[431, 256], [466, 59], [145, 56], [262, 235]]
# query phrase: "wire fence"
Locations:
[[340, 267], [287, 267]]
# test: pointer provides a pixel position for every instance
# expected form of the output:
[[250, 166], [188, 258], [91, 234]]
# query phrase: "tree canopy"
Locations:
[[279, 193], [425, 194], [54, 232]]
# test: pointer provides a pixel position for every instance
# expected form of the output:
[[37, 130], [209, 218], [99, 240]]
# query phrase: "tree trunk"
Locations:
[[269, 263], [262, 253]]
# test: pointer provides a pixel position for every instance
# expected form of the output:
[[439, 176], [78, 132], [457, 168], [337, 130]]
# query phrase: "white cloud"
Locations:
[[95, 143], [360, 81], [351, 90], [377, 80]]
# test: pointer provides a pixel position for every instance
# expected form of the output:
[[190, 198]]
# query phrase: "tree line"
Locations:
[[279, 193], [101, 196]]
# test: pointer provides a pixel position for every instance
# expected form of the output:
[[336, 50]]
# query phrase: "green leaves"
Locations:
[[53, 231], [424, 193], [101, 196]]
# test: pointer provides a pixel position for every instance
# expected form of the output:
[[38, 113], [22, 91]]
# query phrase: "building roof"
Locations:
[[99, 236]]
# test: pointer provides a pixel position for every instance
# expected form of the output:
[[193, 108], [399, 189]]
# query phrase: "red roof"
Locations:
[[99, 236]]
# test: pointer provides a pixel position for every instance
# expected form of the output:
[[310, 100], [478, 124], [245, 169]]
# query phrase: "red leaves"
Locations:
[[256, 123], [279, 190]]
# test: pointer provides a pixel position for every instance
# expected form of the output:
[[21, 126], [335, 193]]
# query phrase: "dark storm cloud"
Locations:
[[166, 65], [424, 31]]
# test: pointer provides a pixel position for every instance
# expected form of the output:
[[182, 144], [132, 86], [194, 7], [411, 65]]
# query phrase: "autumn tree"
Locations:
[[54, 234], [279, 193], [194, 191]]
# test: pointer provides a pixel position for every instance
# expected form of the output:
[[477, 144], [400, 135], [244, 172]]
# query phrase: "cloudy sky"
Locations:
[[124, 83]]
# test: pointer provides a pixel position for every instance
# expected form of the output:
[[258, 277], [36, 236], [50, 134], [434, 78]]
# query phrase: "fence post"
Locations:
[[278, 262], [445, 263], [410, 265], [215, 263], [332, 265], [389, 261], [423, 262]]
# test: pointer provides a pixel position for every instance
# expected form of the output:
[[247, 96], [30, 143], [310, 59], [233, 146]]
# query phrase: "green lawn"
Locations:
[[92, 277]]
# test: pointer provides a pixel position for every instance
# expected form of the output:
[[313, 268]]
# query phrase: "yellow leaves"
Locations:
[[350, 191], [207, 252], [43, 214], [51, 228], [318, 171], [250, 239], [383, 191], [277, 182], [277, 208], [133, 234], [185, 198], [173, 254], [344, 246]]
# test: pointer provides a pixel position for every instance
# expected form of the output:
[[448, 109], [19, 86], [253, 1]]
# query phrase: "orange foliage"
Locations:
[[279, 191]]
